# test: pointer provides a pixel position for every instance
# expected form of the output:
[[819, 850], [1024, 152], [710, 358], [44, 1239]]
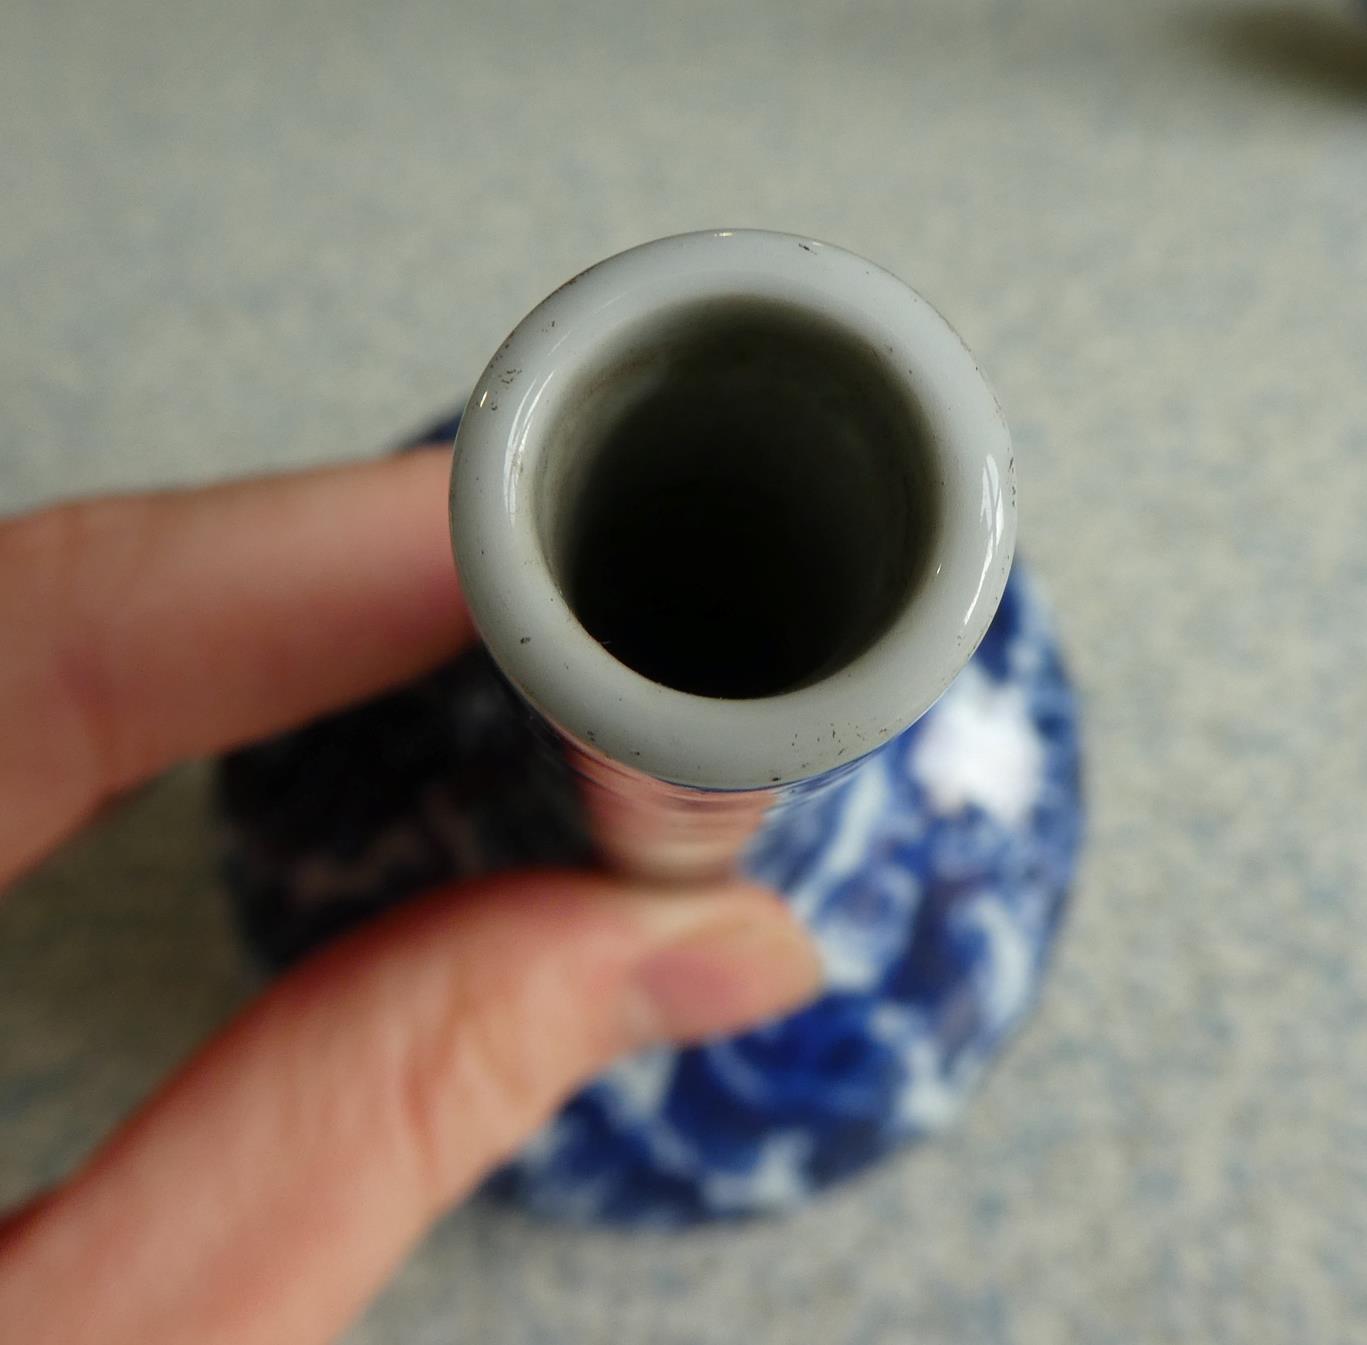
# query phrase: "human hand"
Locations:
[[268, 1190]]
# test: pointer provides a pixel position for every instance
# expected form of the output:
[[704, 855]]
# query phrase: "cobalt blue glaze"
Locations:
[[933, 876], [936, 898]]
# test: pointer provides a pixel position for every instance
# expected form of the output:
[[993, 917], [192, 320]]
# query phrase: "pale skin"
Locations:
[[270, 1187]]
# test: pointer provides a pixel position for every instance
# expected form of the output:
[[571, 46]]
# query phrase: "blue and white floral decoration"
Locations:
[[933, 876]]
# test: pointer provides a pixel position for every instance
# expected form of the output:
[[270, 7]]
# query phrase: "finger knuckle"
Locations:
[[469, 1085]]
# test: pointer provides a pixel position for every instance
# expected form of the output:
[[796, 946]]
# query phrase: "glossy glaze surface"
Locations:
[[906, 395], [932, 875]]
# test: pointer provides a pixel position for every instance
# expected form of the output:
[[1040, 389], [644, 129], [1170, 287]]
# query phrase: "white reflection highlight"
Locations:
[[512, 464], [992, 511]]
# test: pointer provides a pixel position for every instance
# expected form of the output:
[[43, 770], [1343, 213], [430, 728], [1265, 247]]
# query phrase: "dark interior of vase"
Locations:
[[742, 499]]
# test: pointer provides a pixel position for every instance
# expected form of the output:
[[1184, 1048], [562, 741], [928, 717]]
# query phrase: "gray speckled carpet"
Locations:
[[240, 237]]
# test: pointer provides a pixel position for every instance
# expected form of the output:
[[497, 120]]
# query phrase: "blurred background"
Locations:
[[252, 236]]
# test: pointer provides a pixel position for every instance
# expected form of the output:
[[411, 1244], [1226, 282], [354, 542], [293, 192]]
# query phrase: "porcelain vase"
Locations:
[[735, 515]]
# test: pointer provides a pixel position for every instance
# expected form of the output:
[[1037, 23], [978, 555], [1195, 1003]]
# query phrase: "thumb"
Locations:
[[269, 1190]]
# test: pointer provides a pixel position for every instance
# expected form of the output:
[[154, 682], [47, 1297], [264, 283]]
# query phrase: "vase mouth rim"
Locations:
[[698, 741]]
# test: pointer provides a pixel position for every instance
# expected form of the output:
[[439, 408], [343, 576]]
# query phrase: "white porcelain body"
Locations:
[[659, 756]]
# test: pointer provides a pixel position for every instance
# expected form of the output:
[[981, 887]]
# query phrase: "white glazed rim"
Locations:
[[686, 739]]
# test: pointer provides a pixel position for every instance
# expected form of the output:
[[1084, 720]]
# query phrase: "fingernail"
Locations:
[[725, 962]]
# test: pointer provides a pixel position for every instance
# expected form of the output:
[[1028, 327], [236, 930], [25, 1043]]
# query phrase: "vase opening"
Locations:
[[742, 500]]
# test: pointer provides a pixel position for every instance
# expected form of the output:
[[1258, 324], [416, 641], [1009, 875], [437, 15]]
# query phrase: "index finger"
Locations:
[[140, 630]]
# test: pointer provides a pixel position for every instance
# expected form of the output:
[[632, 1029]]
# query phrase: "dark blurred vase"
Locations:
[[735, 516]]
